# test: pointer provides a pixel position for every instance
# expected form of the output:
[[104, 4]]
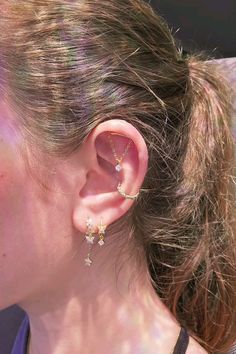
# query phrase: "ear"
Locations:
[[98, 197]]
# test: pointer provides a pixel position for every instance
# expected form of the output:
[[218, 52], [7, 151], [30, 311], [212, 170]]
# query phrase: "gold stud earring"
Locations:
[[101, 233]]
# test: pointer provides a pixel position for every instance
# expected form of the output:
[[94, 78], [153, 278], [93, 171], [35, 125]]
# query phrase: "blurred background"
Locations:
[[208, 25]]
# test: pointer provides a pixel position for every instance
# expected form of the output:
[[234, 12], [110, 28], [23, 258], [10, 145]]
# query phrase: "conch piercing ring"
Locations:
[[127, 196]]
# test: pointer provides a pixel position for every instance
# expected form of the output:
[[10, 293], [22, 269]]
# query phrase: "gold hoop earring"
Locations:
[[125, 195]]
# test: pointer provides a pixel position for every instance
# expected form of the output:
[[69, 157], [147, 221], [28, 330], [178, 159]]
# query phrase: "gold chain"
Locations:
[[119, 159]]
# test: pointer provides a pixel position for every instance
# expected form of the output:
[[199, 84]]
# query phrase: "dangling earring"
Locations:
[[89, 238], [101, 233], [118, 167]]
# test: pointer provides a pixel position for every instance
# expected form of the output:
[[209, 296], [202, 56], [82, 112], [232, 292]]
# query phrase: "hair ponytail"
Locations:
[[209, 173], [192, 253]]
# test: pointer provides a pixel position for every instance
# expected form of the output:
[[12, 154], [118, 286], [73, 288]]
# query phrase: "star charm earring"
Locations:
[[89, 237], [101, 233], [88, 260]]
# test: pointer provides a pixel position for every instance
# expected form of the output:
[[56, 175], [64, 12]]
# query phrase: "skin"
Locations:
[[73, 308]]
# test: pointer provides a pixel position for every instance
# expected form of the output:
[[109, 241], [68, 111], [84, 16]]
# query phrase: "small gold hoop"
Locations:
[[127, 196]]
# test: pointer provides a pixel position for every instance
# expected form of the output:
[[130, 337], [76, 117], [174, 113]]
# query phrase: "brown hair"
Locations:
[[70, 65]]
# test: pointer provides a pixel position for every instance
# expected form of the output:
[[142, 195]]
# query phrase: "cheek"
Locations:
[[30, 254], [21, 251], [23, 240], [13, 230]]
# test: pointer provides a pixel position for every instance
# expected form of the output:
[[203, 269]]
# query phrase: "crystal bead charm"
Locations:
[[101, 242], [118, 167]]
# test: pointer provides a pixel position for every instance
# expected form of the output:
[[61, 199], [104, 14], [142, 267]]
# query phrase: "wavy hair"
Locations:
[[69, 65]]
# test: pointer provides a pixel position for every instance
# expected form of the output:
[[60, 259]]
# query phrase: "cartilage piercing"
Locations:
[[118, 167], [125, 195]]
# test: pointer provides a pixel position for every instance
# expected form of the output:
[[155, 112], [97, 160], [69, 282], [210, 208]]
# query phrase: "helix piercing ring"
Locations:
[[127, 196]]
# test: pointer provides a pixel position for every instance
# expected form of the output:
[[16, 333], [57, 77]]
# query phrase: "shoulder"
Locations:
[[195, 348]]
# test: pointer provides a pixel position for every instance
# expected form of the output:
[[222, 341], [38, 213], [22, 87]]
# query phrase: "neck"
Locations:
[[94, 311]]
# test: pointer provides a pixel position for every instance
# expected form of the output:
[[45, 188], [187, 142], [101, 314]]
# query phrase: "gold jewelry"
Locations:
[[89, 237], [127, 196], [118, 167], [101, 233], [118, 159]]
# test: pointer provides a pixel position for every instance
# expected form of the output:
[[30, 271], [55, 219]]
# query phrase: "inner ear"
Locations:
[[108, 144], [105, 165], [103, 147], [105, 157], [101, 176]]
